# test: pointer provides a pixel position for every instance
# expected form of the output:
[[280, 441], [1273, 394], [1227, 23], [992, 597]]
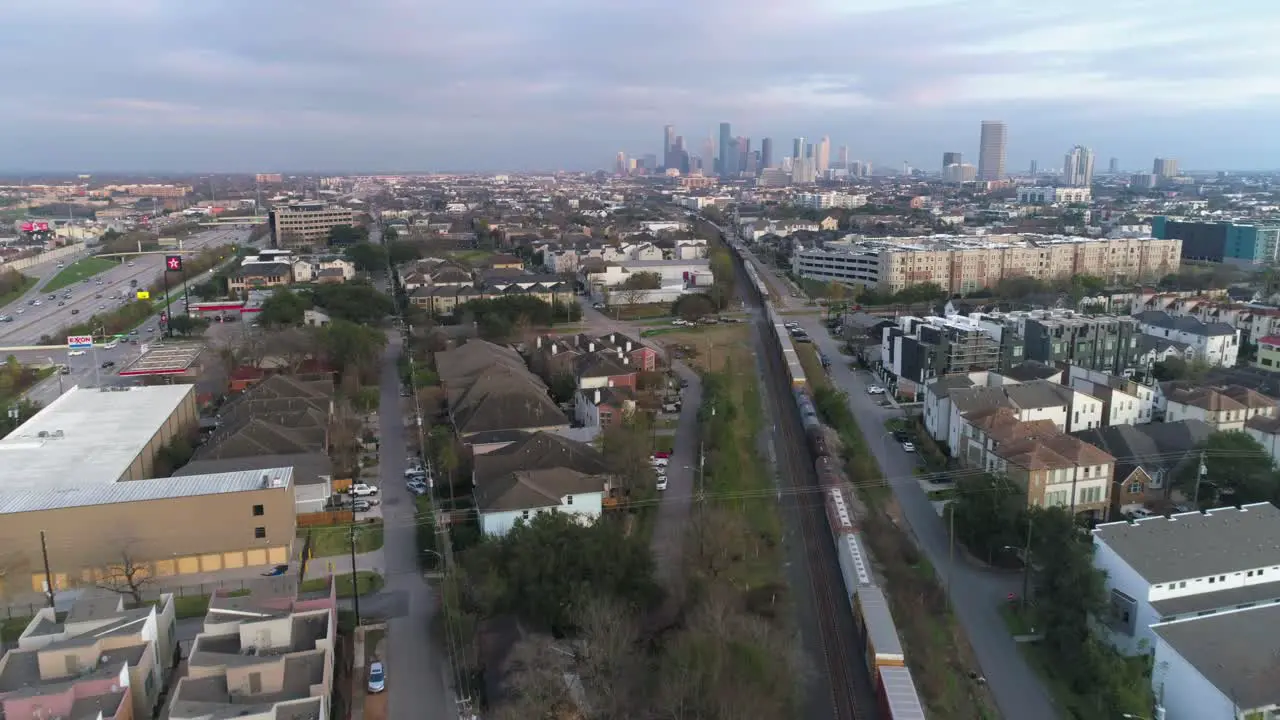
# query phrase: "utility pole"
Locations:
[[355, 590], [48, 576], [1026, 567]]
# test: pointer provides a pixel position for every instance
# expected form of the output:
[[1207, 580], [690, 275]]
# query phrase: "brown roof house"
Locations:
[[541, 473], [491, 394], [1057, 470]]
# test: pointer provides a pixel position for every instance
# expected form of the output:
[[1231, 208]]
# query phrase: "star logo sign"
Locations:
[[175, 263]]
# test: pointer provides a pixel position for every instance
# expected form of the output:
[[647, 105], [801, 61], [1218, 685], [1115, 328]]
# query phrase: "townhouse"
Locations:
[[541, 472], [492, 397], [1150, 458], [1223, 408], [1215, 343]]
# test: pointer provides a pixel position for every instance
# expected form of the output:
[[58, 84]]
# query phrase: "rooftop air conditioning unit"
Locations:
[[43, 434]]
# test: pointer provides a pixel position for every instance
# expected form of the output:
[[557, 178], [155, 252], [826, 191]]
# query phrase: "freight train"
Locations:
[[881, 646]]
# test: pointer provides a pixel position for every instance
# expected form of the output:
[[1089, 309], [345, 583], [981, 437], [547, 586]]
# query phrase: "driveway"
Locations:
[[975, 592], [424, 687]]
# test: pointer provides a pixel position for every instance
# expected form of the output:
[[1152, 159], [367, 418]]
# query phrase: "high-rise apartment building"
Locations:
[[797, 147], [725, 137], [1165, 168], [709, 156], [991, 150], [803, 171], [951, 158], [1236, 243], [956, 173], [766, 153], [1077, 167], [823, 155], [1114, 166]]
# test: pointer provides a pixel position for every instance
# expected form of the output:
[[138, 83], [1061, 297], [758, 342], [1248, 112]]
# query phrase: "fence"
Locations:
[[327, 517]]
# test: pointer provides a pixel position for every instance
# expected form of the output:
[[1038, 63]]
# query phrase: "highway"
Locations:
[[30, 322]]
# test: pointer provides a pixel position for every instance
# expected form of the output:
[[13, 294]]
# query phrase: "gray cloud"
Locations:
[[489, 84]]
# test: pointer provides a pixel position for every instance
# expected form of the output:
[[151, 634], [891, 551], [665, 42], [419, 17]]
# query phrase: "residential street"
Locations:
[[418, 670], [975, 592], [676, 502]]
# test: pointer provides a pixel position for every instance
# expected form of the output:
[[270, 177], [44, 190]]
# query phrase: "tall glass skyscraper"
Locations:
[[725, 138], [991, 150]]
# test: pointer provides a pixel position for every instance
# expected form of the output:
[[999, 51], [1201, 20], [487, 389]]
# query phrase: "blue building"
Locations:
[[1229, 242]]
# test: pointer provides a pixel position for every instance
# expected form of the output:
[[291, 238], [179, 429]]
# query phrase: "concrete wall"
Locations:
[[44, 257]]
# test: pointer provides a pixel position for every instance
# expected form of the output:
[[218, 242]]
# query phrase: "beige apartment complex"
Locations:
[[963, 264], [305, 224]]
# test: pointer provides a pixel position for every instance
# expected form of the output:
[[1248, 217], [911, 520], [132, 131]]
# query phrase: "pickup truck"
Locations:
[[363, 490]]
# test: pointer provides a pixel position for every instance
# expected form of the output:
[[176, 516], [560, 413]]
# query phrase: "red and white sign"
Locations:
[[173, 262], [78, 342]]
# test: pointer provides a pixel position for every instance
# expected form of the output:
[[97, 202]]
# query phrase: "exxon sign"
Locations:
[[79, 342]]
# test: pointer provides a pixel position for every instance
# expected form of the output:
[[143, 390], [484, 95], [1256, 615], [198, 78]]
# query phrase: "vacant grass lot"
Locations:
[[708, 347], [330, 540], [367, 581], [78, 271]]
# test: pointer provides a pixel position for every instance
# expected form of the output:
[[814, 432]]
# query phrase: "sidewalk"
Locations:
[[341, 564]]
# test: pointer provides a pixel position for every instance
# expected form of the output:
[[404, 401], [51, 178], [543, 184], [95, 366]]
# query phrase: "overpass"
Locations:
[[170, 251], [234, 221]]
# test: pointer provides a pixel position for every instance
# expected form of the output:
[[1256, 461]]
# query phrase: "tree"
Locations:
[[366, 257], [563, 387], [356, 302], [347, 235], [187, 324], [401, 251], [127, 575], [627, 446], [642, 281], [284, 308], [352, 347], [987, 513], [1239, 470], [693, 307]]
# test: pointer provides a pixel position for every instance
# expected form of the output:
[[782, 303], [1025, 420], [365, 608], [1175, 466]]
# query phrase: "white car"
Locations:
[[908, 447], [377, 678], [363, 490], [662, 482], [1140, 513], [875, 390], [110, 345], [75, 353], [659, 462]]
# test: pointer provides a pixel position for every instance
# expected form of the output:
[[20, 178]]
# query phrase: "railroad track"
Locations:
[[848, 678]]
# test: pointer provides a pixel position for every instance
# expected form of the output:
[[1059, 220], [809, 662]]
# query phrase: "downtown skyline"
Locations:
[[246, 86]]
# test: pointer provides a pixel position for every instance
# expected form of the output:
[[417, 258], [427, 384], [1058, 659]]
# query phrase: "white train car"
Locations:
[[875, 622], [855, 565], [899, 699]]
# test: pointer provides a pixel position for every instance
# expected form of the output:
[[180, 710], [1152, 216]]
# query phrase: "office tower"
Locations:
[[991, 150], [725, 139], [1165, 168], [951, 158], [823, 156], [1114, 166], [766, 153], [668, 145], [744, 152], [650, 162], [620, 164], [709, 156], [842, 157], [1035, 168], [1077, 167], [729, 163], [797, 147], [808, 150], [753, 163]]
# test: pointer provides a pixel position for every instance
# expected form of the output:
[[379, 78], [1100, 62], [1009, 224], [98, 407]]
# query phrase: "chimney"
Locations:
[[539, 343], [597, 395], [591, 346]]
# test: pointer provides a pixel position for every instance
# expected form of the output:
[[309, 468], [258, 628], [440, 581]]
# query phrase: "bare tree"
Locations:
[[127, 575], [717, 543], [536, 682], [293, 346], [608, 660]]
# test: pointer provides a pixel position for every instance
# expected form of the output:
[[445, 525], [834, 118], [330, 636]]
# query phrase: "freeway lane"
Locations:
[[35, 321]]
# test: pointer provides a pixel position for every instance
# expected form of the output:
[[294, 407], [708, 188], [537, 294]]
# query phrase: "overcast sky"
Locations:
[[333, 85]]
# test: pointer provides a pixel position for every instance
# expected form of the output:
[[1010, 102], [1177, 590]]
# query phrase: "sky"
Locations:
[[511, 85]]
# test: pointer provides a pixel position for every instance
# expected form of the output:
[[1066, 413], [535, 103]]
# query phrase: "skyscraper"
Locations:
[[729, 159], [808, 150], [744, 153], [1077, 167], [725, 138], [1164, 168], [1114, 166], [766, 153], [709, 156], [797, 147], [668, 145], [991, 150], [951, 158], [1035, 168], [842, 157], [620, 163], [823, 155]]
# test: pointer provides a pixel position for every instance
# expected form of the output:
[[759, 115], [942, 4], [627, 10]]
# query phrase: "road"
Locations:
[[36, 320], [975, 592], [419, 675]]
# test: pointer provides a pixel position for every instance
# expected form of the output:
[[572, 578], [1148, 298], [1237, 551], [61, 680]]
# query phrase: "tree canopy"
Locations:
[[358, 302], [347, 235], [284, 308], [693, 306], [642, 281], [366, 256]]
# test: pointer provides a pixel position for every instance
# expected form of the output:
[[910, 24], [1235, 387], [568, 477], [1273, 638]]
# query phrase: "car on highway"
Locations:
[[377, 678], [108, 364], [98, 296], [53, 296], [102, 307], [75, 311], [35, 302], [19, 311], [61, 303], [875, 390], [75, 353]]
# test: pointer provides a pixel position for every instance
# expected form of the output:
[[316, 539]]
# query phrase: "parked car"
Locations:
[[597, 306], [75, 353], [1140, 513], [363, 490], [662, 482], [671, 407], [659, 461], [362, 506], [108, 364], [875, 390], [377, 678], [901, 436], [276, 571], [417, 487], [415, 470], [908, 447]]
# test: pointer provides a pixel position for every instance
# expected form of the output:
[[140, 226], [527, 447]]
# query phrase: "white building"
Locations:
[[829, 200], [1051, 196], [1125, 402], [1185, 566], [528, 493], [1221, 666], [1069, 410], [1214, 342]]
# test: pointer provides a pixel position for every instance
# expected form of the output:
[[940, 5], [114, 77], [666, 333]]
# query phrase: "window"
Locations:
[[1211, 580], [260, 532], [1135, 488], [568, 500], [1182, 584], [257, 511]]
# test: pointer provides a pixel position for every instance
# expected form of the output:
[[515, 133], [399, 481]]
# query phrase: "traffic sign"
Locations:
[[79, 342], [173, 263]]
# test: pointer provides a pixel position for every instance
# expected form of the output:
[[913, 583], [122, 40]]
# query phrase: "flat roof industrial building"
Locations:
[[95, 436]]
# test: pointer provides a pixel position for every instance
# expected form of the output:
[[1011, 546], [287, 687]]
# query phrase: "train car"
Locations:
[[818, 445], [897, 694], [875, 622], [808, 413], [830, 474], [838, 513]]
